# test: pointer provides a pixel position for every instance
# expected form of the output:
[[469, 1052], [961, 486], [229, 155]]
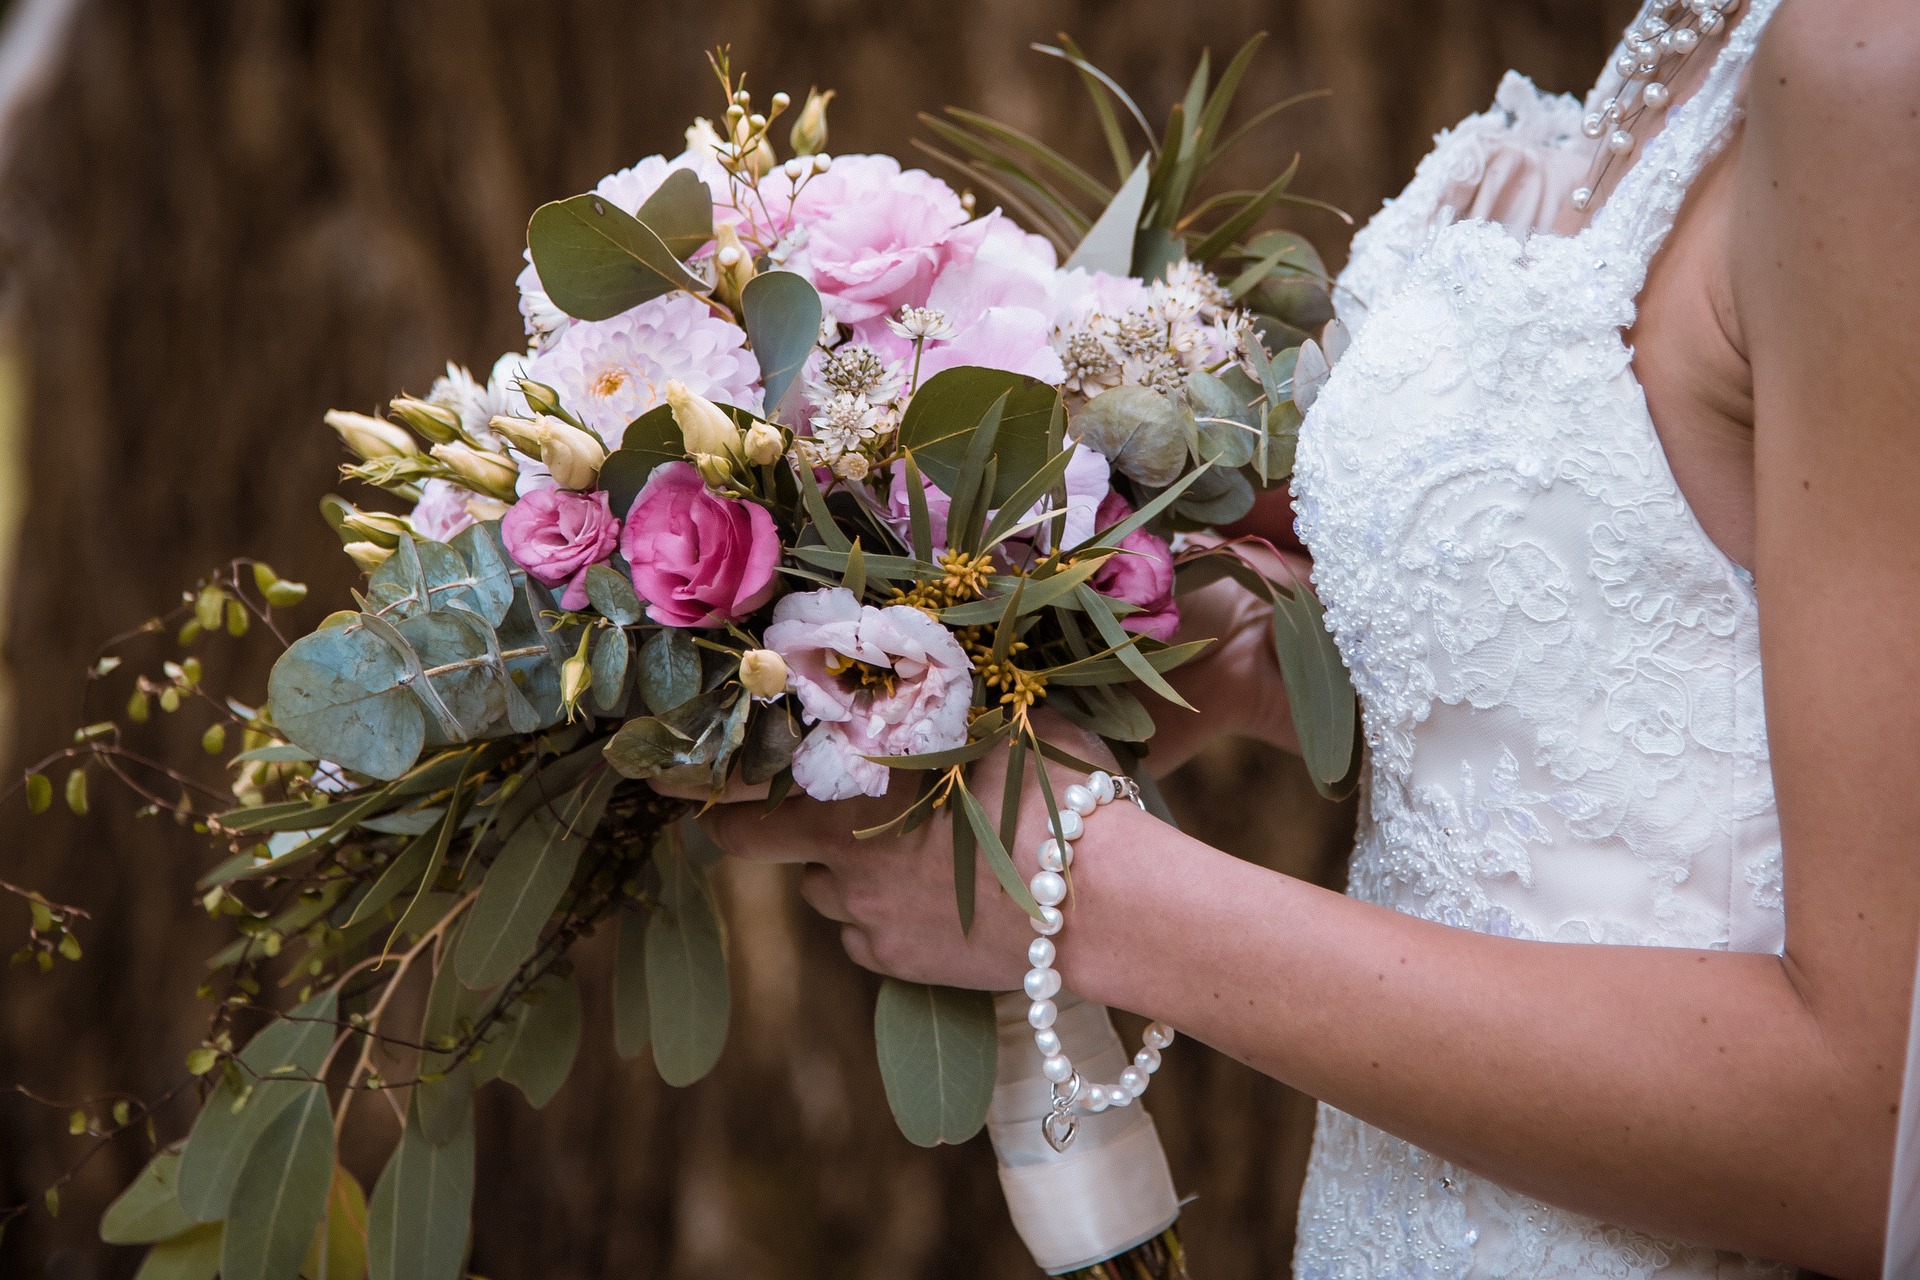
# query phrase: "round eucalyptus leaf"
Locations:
[[193, 1255], [337, 693], [782, 316], [940, 421], [1140, 432], [1230, 499]]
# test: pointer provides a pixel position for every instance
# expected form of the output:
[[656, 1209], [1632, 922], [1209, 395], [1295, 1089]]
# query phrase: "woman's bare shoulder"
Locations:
[[1849, 65]]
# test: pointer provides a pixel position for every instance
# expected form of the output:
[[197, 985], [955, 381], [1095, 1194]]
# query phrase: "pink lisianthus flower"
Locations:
[[1140, 573], [874, 682], [900, 514], [557, 535], [698, 559], [873, 237], [441, 514]]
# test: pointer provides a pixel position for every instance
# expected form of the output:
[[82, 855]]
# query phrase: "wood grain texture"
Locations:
[[223, 218]]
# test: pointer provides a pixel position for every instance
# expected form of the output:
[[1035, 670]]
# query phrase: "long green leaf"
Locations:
[[632, 1020], [149, 1209], [936, 1047], [687, 997], [1126, 646], [1234, 227], [1035, 594], [919, 520], [542, 1038], [1108, 244], [282, 1192], [1317, 687], [997, 858], [817, 511], [231, 1122], [417, 1221], [1013, 511], [964, 847], [1221, 101], [444, 1096], [1036, 150], [194, 1255]]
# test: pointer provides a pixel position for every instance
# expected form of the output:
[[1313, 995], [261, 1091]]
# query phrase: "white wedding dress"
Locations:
[[1560, 671]]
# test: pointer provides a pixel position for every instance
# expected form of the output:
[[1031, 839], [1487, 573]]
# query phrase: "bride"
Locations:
[[1630, 405]]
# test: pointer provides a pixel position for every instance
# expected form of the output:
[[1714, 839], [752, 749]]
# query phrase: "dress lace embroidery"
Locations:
[[1559, 671]]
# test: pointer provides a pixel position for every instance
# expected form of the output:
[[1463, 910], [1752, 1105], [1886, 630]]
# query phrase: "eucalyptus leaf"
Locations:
[[337, 693], [772, 738], [608, 666], [149, 1209], [193, 1255], [417, 1221], [1221, 498], [345, 1239], [1108, 245], [1310, 373], [781, 313], [596, 261], [1224, 421], [1155, 249], [680, 212], [940, 421], [1282, 440], [1138, 430], [611, 592], [687, 997], [543, 1034], [647, 746], [526, 883], [632, 1020], [402, 873], [489, 569], [225, 1133], [444, 1102], [1324, 709], [936, 1047], [669, 671], [282, 1192]]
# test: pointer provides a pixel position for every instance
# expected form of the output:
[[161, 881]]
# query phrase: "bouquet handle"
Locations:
[[1111, 1190]]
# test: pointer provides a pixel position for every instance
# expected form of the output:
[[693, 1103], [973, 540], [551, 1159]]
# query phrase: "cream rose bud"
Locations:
[[704, 425], [764, 444], [370, 437], [573, 456], [487, 472], [763, 673], [715, 470]]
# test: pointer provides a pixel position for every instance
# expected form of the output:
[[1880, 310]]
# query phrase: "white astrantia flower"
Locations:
[[921, 324], [609, 372], [1152, 335], [846, 424], [854, 369]]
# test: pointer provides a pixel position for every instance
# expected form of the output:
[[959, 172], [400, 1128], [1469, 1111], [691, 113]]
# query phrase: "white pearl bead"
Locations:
[[1657, 94], [1055, 856], [1118, 1096], [1148, 1059], [1072, 827], [1594, 126], [1042, 984], [1042, 1014], [1101, 784], [1682, 39], [1624, 64], [1582, 197], [1097, 1098], [1159, 1035], [1049, 922], [1079, 799], [1040, 953], [1047, 1042], [1709, 23], [1620, 142], [1057, 1069], [1134, 1081], [1049, 888]]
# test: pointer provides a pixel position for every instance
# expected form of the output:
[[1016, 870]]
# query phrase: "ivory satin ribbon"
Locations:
[[1111, 1189]]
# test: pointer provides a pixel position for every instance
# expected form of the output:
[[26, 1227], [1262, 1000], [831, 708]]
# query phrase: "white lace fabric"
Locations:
[[1559, 670]]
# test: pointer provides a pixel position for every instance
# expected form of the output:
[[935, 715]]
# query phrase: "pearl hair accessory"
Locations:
[[1658, 45], [1049, 886]]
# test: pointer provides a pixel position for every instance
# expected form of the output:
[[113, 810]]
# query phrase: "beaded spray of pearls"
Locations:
[[1658, 45], [1073, 1096]]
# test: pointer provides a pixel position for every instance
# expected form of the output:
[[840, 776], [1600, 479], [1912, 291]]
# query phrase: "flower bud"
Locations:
[[368, 555], [764, 444], [572, 455], [715, 469], [704, 426], [576, 674], [852, 466], [809, 135], [732, 265], [485, 509], [540, 397], [763, 673], [371, 438], [378, 527], [434, 421], [522, 433], [488, 473]]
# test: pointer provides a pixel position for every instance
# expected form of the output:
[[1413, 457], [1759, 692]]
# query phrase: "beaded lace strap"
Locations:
[[1642, 209]]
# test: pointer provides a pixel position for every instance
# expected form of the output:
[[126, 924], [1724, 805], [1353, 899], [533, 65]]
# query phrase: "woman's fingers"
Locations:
[[697, 789], [859, 947], [822, 892]]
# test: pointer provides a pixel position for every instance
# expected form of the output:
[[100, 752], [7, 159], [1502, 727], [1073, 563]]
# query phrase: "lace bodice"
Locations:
[[1559, 671]]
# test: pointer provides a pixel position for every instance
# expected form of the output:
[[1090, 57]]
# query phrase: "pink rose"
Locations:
[[874, 237], [1140, 574], [698, 560], [557, 535], [874, 682]]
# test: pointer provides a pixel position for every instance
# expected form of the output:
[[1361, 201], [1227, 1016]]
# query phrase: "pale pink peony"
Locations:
[[819, 634], [1140, 574], [609, 372], [698, 560], [901, 514], [557, 535], [441, 514], [873, 238]]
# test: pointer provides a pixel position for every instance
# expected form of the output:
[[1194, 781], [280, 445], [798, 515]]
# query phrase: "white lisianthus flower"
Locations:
[[478, 403]]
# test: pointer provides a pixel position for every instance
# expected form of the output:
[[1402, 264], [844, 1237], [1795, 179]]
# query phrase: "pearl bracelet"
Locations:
[[1072, 1096]]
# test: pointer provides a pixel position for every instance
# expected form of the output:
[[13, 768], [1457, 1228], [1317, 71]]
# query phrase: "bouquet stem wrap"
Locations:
[[1111, 1190]]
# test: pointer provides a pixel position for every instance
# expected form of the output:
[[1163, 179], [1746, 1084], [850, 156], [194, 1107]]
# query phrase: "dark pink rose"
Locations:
[[557, 535], [698, 559], [1140, 573]]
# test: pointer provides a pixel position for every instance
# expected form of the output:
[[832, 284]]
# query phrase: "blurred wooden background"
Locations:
[[218, 219]]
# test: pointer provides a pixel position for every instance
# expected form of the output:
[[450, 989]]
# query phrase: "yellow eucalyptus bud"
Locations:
[[488, 473], [434, 421], [809, 135], [572, 455], [371, 438], [704, 425], [763, 673], [764, 444], [368, 555]]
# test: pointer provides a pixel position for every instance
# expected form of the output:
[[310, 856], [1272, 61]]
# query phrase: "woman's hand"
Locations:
[[893, 894]]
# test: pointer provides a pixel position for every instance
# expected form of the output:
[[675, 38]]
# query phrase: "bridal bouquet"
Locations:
[[814, 474]]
